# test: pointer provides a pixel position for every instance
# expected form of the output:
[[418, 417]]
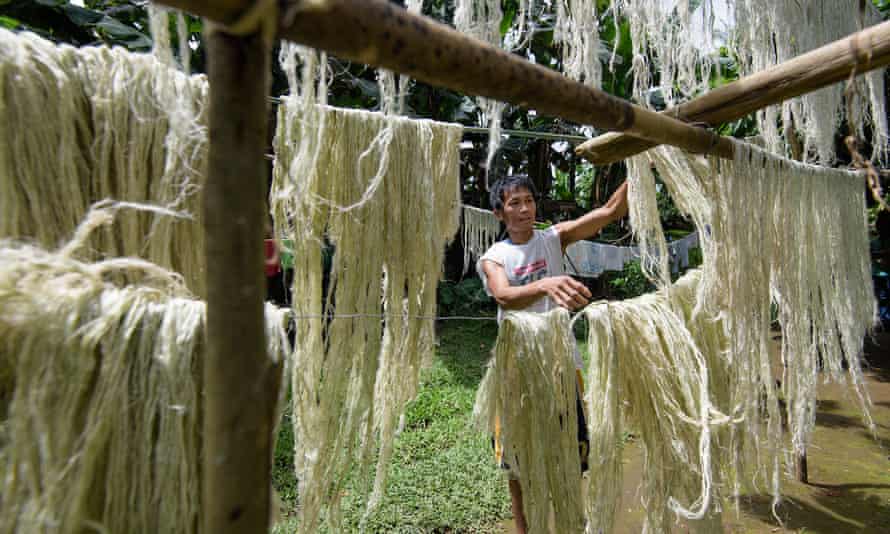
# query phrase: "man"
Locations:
[[525, 271]]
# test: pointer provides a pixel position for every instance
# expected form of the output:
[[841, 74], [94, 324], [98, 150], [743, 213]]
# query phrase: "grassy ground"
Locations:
[[443, 477]]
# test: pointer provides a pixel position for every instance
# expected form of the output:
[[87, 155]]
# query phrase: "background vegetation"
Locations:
[[442, 478]]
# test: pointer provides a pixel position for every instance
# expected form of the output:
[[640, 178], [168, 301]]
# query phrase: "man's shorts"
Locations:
[[583, 436]]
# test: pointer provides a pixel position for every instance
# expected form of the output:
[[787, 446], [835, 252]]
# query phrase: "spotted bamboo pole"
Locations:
[[381, 34], [861, 52]]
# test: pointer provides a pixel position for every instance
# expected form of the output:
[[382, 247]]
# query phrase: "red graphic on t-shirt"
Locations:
[[525, 270]]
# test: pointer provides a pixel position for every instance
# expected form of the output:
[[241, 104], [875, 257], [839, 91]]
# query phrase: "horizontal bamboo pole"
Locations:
[[832, 63], [381, 34]]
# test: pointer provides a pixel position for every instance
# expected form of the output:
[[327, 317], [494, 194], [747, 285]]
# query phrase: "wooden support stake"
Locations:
[[240, 385], [802, 472], [379, 33], [832, 63]]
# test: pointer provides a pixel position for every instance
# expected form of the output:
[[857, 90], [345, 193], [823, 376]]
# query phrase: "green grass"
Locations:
[[443, 477]]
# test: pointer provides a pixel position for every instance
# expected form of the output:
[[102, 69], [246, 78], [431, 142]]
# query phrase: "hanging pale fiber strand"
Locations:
[[393, 88], [577, 30], [100, 420], [777, 231], [118, 125], [684, 184], [480, 230], [482, 19], [809, 254], [736, 257], [384, 213], [645, 219], [678, 36], [648, 372], [769, 32], [527, 398], [820, 278], [162, 41]]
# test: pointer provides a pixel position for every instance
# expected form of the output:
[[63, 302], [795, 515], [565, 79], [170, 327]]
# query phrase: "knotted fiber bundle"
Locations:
[[774, 231], [86, 124], [527, 399], [100, 406], [382, 192], [648, 372]]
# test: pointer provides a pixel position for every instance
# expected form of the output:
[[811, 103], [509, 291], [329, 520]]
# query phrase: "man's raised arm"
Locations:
[[592, 222]]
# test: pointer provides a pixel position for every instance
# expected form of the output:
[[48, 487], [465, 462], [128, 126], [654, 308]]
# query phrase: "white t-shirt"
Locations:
[[540, 257]]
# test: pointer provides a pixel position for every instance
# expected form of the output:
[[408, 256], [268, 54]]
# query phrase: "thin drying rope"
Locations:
[[393, 315], [529, 134]]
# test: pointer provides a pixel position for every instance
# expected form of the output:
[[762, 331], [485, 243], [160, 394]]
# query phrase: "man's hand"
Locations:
[[565, 291]]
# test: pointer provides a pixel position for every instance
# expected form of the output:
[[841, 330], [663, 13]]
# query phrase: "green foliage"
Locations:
[[443, 476], [560, 189], [113, 23], [585, 178], [695, 257], [466, 297], [619, 81], [629, 282], [9, 23], [283, 479]]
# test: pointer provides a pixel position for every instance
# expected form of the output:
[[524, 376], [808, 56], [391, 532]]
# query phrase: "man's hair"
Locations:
[[506, 184]]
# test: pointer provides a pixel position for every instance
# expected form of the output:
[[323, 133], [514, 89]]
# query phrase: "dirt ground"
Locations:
[[849, 471]]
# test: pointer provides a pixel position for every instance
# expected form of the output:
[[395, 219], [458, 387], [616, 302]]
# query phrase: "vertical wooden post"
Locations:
[[240, 385]]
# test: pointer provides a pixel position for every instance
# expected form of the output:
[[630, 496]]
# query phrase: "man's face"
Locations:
[[519, 210]]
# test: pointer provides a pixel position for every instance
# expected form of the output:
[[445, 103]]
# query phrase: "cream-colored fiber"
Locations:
[[480, 230], [387, 213], [645, 219], [804, 247], [577, 30], [482, 19], [774, 231], [393, 87], [101, 419], [769, 32], [86, 124], [529, 393], [663, 33], [676, 49], [647, 372]]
